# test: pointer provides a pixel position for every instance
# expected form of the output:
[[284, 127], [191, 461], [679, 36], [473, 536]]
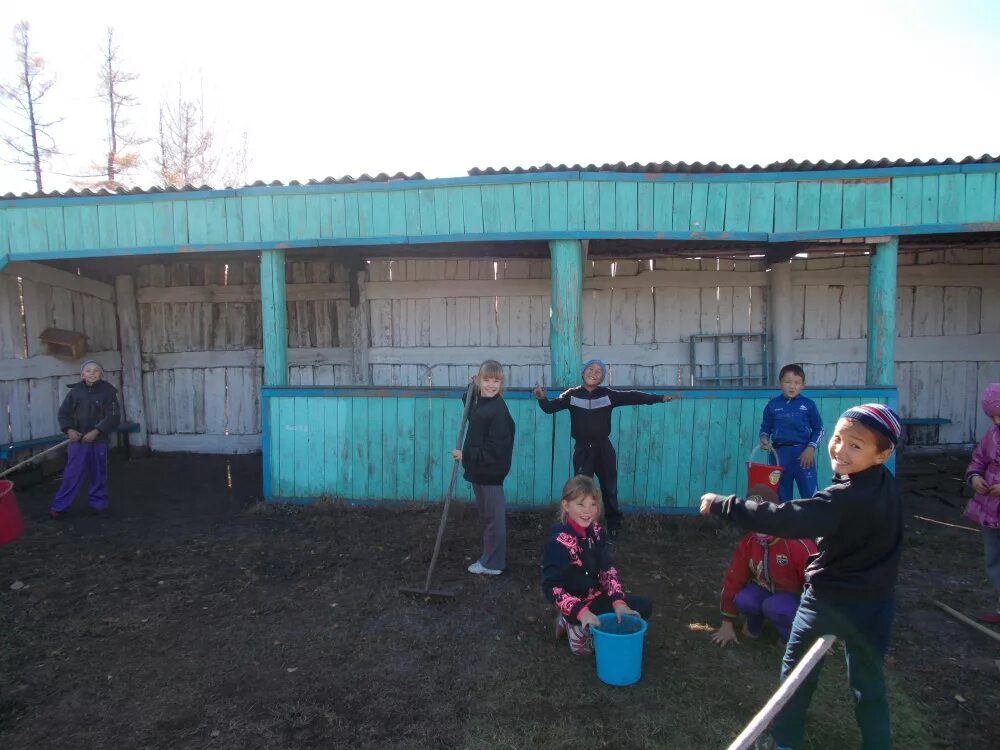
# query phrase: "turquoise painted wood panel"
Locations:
[[37, 233], [505, 203], [715, 209], [606, 199], [215, 221], [472, 209], [338, 216], [491, 209], [897, 201], [831, 200], [265, 217], [412, 203], [366, 217], [397, 214], [425, 199], [317, 216], [914, 200], [558, 206], [699, 206], [951, 198], [352, 223], [380, 214], [522, 208], [853, 216], [81, 226], [663, 206], [761, 212], [575, 206], [807, 211], [682, 207], [626, 207], [980, 197], [591, 206], [55, 229], [929, 206], [540, 206], [878, 204], [785, 206], [738, 207], [456, 217], [125, 225], [107, 226], [645, 207], [249, 210], [375, 444]]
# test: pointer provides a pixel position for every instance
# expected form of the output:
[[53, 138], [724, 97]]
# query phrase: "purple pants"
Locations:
[[757, 603], [81, 459]]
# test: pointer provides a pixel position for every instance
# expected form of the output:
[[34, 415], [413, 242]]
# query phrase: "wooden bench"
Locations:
[[922, 437], [6, 451]]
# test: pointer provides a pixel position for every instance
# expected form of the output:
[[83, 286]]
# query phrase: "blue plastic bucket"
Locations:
[[618, 646]]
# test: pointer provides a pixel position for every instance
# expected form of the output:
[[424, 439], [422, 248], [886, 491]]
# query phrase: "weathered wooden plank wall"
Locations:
[[947, 321], [32, 383], [365, 445]]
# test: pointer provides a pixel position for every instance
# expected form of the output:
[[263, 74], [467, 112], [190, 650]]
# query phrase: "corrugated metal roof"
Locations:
[[345, 180], [697, 167]]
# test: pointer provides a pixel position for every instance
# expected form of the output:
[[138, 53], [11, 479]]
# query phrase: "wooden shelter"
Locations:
[[332, 325]]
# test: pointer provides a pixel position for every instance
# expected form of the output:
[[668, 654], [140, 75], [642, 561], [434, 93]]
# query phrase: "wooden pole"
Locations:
[[131, 351], [566, 319], [880, 369], [782, 325], [959, 616], [359, 328], [781, 696], [274, 316]]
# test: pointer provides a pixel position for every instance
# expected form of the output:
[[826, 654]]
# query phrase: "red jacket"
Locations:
[[783, 569]]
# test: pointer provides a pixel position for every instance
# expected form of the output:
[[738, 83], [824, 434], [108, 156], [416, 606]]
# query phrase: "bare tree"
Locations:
[[31, 143], [120, 161], [186, 144], [237, 164]]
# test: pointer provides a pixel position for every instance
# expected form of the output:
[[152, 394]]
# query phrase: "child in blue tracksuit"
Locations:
[[793, 427]]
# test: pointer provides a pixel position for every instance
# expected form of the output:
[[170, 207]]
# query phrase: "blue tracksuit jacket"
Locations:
[[792, 422]]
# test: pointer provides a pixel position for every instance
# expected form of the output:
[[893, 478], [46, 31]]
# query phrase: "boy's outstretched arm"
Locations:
[[551, 406], [798, 519]]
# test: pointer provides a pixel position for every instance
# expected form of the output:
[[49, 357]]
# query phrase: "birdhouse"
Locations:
[[70, 345]]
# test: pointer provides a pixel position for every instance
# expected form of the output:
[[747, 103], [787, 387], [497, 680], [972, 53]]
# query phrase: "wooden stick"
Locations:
[[781, 696], [34, 458], [959, 616], [944, 523]]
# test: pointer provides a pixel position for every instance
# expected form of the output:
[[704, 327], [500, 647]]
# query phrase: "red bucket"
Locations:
[[766, 474], [11, 523]]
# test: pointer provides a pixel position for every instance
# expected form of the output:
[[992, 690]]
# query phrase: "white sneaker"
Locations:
[[478, 568]]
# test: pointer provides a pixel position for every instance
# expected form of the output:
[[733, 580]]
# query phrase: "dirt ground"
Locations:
[[194, 617]]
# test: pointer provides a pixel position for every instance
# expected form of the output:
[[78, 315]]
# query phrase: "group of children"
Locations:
[[823, 564]]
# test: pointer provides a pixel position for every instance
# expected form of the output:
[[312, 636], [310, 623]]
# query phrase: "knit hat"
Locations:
[[991, 400], [877, 417], [91, 362], [599, 363]]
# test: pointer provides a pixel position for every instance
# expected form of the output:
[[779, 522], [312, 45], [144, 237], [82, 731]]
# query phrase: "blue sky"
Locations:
[[440, 87]]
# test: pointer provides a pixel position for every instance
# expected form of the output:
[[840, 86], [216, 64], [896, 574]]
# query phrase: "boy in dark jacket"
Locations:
[[850, 584], [87, 415], [590, 408]]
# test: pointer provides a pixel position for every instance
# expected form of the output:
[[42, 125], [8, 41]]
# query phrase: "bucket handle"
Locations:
[[773, 452]]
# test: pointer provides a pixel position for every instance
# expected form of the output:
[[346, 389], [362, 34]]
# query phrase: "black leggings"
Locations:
[[602, 605]]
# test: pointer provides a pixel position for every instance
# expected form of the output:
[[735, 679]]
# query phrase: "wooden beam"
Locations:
[[46, 366], [43, 274], [566, 316], [360, 341], [781, 324], [238, 293], [228, 444], [952, 348], [128, 336], [242, 358], [881, 362], [274, 318]]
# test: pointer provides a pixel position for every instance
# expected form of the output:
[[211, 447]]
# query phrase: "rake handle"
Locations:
[[451, 486], [34, 458]]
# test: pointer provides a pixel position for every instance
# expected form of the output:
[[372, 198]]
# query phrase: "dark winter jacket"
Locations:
[[577, 568], [590, 411], [489, 442], [858, 522], [89, 407]]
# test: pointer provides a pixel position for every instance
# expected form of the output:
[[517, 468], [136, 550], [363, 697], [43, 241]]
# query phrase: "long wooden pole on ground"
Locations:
[[131, 351], [959, 616], [566, 319], [880, 369], [781, 696], [274, 317]]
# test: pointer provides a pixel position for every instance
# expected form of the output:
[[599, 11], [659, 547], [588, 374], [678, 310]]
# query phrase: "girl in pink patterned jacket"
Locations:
[[983, 475], [578, 575]]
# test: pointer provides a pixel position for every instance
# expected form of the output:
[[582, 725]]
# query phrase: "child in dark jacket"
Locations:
[[590, 408], [486, 456], [578, 576], [793, 427], [850, 584], [87, 415]]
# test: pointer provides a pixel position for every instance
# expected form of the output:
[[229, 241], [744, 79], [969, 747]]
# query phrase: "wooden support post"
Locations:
[[781, 323], [360, 340], [274, 316], [131, 352], [566, 317], [880, 368]]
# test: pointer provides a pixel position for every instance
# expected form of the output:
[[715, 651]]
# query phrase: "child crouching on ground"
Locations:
[[850, 584], [578, 575], [764, 582]]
